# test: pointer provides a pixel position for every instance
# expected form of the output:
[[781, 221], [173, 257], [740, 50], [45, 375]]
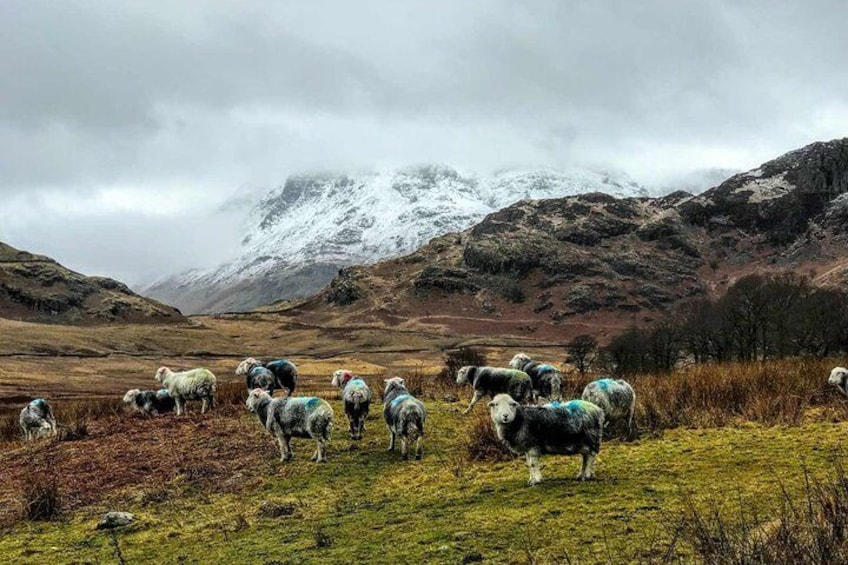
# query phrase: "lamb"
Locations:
[[357, 400], [37, 419], [257, 376], [149, 402], [405, 416], [839, 379], [491, 381], [566, 429], [196, 384], [615, 397], [288, 417], [547, 380]]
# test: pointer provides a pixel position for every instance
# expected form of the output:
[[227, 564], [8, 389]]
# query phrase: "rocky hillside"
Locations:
[[300, 234], [38, 289], [557, 267]]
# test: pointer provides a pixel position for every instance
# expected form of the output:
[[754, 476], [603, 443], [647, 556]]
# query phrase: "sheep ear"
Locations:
[[490, 404], [386, 381]]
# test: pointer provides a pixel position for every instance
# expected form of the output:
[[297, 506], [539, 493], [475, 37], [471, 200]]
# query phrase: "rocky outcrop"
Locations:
[[37, 288]]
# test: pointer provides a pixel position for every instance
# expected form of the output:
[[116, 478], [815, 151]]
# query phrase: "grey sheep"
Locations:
[[196, 384], [288, 417], [405, 416], [839, 379], [149, 402], [615, 397], [257, 376], [357, 400], [489, 381], [563, 429], [36, 419], [547, 379]]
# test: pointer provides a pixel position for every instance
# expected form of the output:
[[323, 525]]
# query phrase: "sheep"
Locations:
[[405, 416], [357, 400], [615, 397], [257, 376], [149, 402], [37, 419], [196, 384], [491, 381], [839, 379], [288, 417], [547, 380], [285, 373], [566, 429]]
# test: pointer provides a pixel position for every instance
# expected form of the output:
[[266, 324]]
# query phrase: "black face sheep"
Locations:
[[196, 384], [149, 402], [257, 376], [36, 419], [565, 429], [357, 400], [547, 380], [839, 379], [285, 374], [489, 381], [615, 397], [288, 417], [404, 415]]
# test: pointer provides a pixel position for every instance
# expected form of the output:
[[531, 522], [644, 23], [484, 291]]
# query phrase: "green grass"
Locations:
[[367, 505]]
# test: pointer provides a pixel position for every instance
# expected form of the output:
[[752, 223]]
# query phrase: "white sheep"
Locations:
[[615, 397], [839, 379], [196, 384], [36, 419]]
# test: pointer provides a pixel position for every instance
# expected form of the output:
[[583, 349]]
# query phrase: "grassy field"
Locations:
[[741, 439]]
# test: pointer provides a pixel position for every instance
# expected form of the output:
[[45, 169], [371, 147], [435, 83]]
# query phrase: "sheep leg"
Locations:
[[478, 396], [179, 403], [322, 451], [287, 443], [282, 447], [533, 465], [391, 440], [204, 406], [419, 449], [587, 469], [404, 448]]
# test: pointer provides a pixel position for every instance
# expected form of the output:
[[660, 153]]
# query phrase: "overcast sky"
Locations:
[[124, 124]]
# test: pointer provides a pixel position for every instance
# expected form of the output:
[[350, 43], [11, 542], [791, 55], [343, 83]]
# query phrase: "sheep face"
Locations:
[[247, 366], [503, 409], [253, 398], [341, 377], [462, 375], [395, 383], [162, 374], [130, 396], [519, 361], [839, 378]]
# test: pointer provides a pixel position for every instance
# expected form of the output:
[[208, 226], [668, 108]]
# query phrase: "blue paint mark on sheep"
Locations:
[[554, 404], [576, 405], [398, 400], [356, 382], [605, 383], [545, 368]]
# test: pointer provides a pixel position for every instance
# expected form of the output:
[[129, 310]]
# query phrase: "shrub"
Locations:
[[40, 498], [481, 441]]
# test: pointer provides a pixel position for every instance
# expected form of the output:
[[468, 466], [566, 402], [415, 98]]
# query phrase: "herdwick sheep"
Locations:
[[564, 429], [405, 416], [37, 419], [196, 384], [288, 417], [547, 380], [615, 397], [491, 381], [256, 375], [285, 373], [149, 402], [839, 379], [357, 400]]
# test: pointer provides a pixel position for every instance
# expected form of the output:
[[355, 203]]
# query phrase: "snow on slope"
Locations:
[[300, 233]]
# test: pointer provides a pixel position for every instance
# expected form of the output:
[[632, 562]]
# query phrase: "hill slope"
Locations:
[[557, 267], [38, 289], [300, 234]]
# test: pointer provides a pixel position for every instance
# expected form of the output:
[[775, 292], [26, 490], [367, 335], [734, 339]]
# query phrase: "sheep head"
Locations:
[[519, 361], [255, 397], [503, 409], [130, 396], [839, 379], [247, 366], [162, 373]]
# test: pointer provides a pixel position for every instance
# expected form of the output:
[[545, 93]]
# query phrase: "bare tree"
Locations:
[[582, 352]]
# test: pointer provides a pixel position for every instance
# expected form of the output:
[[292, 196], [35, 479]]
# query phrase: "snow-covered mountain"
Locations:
[[299, 235]]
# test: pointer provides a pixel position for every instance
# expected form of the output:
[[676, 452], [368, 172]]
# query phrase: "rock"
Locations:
[[473, 558], [112, 520]]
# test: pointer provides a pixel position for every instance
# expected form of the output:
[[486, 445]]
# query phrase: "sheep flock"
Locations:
[[526, 409]]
